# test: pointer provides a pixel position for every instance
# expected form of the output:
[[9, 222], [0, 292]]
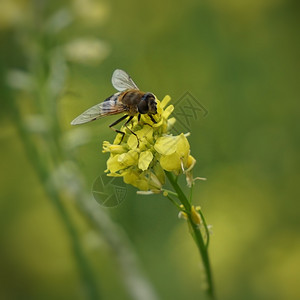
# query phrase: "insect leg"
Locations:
[[152, 119], [130, 118], [139, 118], [117, 122]]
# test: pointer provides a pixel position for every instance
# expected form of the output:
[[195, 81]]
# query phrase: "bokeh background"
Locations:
[[240, 59]]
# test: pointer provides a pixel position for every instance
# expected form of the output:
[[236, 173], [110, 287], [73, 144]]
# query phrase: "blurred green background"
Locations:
[[240, 59]]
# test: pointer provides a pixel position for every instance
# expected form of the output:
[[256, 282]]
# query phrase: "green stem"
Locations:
[[174, 202], [191, 193], [196, 233], [202, 217], [85, 271], [206, 228], [170, 192]]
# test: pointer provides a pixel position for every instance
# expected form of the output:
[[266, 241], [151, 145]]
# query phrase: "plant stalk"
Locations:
[[196, 232]]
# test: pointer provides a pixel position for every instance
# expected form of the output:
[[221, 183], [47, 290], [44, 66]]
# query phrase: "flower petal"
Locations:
[[154, 182], [170, 123], [191, 161], [183, 146], [115, 149], [166, 145], [145, 136], [171, 162], [165, 101], [128, 159], [167, 112], [113, 164], [145, 159]]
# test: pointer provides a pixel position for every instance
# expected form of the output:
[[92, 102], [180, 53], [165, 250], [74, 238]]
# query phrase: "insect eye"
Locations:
[[143, 107]]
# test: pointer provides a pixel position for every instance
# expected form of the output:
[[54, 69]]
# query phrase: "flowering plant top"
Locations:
[[148, 149]]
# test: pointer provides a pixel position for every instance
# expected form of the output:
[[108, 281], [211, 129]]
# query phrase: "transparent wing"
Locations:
[[121, 81], [106, 108]]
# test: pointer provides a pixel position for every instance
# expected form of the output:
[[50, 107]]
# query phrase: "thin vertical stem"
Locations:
[[196, 233], [85, 271]]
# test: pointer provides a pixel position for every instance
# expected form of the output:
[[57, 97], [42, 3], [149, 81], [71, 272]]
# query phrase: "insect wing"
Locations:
[[106, 108], [121, 81], [112, 107]]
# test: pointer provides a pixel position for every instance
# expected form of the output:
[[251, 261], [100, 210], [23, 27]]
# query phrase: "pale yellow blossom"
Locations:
[[142, 158]]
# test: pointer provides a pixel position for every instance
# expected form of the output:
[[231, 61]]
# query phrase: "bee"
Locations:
[[128, 100]]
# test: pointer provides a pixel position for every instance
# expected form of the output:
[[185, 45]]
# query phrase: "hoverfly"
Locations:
[[129, 100]]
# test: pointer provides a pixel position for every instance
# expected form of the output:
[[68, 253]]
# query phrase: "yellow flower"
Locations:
[[117, 149], [143, 158], [174, 151]]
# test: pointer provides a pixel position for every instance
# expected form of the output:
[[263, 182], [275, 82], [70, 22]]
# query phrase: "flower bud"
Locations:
[[195, 216]]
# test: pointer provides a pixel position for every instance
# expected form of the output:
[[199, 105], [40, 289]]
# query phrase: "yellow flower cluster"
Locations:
[[141, 159]]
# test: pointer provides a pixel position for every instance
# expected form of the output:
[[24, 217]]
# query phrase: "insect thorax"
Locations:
[[131, 99]]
